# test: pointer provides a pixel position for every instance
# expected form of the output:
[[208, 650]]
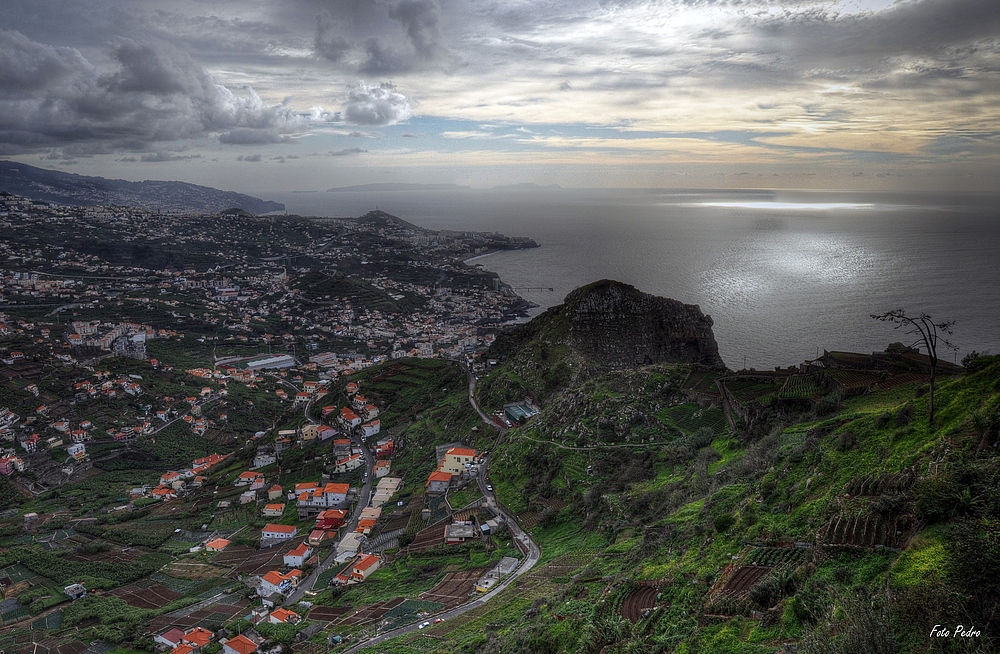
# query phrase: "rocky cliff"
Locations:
[[614, 325], [600, 327]]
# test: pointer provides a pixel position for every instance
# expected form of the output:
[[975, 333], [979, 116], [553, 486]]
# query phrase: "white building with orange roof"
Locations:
[[297, 556], [277, 532]]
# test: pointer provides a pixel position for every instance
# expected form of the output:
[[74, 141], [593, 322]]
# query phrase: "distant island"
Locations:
[[524, 186], [393, 186], [72, 189]]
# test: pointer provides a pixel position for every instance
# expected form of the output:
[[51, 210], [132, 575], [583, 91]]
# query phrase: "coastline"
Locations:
[[520, 305]]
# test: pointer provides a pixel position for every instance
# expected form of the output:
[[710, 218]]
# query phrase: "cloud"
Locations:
[[53, 97], [376, 105], [409, 135], [345, 152], [26, 66], [421, 22], [326, 44], [159, 157], [252, 158], [248, 136]]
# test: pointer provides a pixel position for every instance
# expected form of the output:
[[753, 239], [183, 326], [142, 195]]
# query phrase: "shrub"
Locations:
[[723, 522], [904, 416]]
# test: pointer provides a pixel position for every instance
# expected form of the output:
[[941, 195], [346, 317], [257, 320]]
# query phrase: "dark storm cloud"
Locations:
[[420, 21], [328, 44], [925, 27], [26, 66], [54, 97]]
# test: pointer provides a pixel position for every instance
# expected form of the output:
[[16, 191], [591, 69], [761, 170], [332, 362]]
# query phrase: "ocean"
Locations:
[[784, 274]]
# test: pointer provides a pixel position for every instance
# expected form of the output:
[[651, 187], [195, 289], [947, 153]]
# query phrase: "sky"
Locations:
[[285, 95]]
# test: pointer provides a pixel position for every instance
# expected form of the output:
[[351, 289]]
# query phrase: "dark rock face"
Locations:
[[614, 325]]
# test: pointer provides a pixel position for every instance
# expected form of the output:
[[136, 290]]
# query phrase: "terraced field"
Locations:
[[638, 602]]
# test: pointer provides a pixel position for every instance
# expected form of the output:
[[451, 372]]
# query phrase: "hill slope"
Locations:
[[600, 327], [70, 188]]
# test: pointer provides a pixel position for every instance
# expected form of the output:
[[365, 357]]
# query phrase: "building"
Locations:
[[276, 361], [438, 482], [296, 558], [239, 645], [455, 459], [274, 510], [330, 519], [458, 533], [364, 566], [282, 615], [217, 545], [310, 501], [170, 638], [251, 478], [197, 638], [277, 532], [75, 591], [276, 582]]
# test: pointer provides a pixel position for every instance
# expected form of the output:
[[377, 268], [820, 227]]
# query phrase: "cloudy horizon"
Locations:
[[309, 94]]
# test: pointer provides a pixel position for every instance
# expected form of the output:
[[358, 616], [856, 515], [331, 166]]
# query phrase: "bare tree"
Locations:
[[928, 333]]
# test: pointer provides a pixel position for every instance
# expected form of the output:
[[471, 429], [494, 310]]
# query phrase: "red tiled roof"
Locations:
[[242, 644], [279, 529]]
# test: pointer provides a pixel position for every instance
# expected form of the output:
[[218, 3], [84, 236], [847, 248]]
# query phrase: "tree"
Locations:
[[928, 333]]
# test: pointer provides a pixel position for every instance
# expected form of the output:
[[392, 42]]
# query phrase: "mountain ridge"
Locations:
[[60, 187]]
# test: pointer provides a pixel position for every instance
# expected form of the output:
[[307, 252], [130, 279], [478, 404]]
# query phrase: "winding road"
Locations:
[[525, 542]]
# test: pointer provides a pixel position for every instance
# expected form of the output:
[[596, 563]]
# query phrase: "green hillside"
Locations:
[[851, 526]]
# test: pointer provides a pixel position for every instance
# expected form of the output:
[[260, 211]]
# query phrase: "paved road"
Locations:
[[534, 552]]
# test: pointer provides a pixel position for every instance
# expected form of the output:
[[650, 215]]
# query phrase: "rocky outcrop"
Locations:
[[601, 327], [614, 325]]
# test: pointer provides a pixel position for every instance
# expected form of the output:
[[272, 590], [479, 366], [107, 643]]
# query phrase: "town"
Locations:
[[195, 411]]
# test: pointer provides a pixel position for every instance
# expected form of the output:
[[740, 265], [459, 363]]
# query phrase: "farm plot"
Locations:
[[266, 559], [11, 612], [53, 620], [565, 564], [454, 588], [408, 611], [801, 387], [151, 597], [329, 613], [903, 378], [426, 539], [868, 530], [874, 485], [55, 646], [852, 379], [209, 617], [743, 579], [776, 557], [371, 613], [116, 556], [638, 602]]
